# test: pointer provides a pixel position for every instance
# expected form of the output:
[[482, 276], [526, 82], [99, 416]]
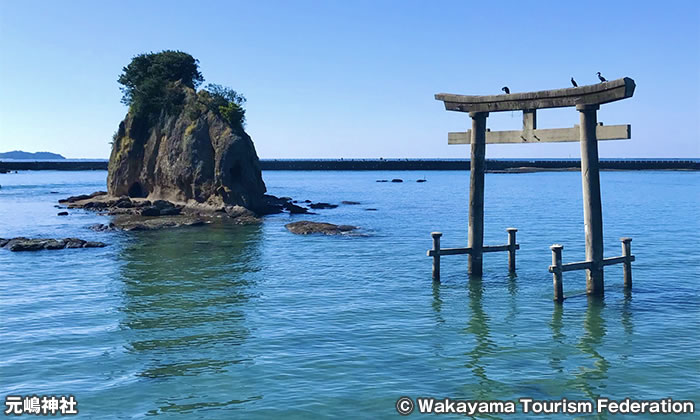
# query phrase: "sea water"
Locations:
[[226, 321]]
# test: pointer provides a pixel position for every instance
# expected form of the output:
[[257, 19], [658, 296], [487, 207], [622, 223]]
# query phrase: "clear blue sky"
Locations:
[[354, 78]]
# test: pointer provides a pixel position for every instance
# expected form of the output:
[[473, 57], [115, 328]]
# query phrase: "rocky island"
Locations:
[[180, 155]]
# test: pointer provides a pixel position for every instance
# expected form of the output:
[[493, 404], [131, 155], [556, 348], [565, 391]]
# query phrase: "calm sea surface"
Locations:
[[228, 321]]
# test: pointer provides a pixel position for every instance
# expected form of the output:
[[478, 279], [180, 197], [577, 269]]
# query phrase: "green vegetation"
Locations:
[[228, 103], [150, 81], [154, 82]]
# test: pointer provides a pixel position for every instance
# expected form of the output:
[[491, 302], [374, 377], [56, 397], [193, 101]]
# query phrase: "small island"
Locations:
[[20, 155]]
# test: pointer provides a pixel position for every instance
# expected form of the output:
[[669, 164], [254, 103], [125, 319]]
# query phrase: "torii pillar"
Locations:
[[476, 193], [592, 206]]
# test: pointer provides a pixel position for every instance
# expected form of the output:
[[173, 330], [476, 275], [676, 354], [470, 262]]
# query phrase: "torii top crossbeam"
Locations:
[[597, 94]]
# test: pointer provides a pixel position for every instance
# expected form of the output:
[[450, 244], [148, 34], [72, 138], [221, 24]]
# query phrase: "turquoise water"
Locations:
[[228, 321]]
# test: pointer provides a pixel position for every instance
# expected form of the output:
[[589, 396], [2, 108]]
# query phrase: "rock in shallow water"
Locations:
[[317, 206], [306, 227], [27, 244]]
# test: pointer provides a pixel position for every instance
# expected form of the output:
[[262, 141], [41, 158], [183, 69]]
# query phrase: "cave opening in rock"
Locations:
[[135, 190], [236, 172]]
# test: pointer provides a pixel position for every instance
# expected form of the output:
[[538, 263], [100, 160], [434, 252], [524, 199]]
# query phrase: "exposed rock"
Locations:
[[140, 214], [191, 154], [150, 211], [351, 203], [370, 209], [294, 209], [305, 227], [397, 180], [382, 180], [170, 211], [317, 206], [26, 244], [421, 180], [124, 203], [274, 204], [75, 198], [103, 227], [241, 215], [62, 213]]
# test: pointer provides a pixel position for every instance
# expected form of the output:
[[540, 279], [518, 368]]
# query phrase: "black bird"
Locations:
[[601, 78], [506, 90], [573, 82]]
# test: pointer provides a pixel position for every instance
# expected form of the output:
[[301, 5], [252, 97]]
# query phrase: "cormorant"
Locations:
[[506, 90], [601, 78], [573, 82]]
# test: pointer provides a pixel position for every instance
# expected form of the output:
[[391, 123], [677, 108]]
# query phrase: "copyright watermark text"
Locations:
[[423, 405]]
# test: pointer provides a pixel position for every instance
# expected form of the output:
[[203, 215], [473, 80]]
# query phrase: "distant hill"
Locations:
[[17, 154]]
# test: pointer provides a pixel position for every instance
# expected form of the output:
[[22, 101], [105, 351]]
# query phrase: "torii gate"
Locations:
[[587, 100]]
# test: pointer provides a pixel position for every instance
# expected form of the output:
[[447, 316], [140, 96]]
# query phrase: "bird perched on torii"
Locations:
[[573, 82], [506, 90], [601, 78]]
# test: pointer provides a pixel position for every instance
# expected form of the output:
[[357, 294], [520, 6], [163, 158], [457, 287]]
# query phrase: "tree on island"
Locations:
[[153, 82]]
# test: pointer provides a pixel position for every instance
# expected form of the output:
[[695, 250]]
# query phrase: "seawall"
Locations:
[[390, 164]]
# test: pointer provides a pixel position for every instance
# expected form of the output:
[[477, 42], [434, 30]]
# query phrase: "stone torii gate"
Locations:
[[587, 100]]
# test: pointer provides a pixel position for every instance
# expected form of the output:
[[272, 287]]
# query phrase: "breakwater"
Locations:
[[392, 164]]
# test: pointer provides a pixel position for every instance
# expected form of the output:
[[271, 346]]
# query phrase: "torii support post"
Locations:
[[557, 272], [512, 246], [592, 208], [476, 193], [627, 265], [436, 256]]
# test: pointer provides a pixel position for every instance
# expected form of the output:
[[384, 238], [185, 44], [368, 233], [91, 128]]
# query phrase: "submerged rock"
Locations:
[[351, 203], [131, 223], [26, 244], [306, 227]]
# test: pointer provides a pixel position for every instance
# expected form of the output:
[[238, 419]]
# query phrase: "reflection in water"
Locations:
[[594, 326], [627, 324], [513, 290], [437, 303], [479, 328], [627, 321], [184, 294], [559, 350]]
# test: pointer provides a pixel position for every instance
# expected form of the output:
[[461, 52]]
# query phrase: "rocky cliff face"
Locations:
[[190, 155]]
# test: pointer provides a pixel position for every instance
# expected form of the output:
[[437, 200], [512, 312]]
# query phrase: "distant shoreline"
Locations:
[[493, 165]]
